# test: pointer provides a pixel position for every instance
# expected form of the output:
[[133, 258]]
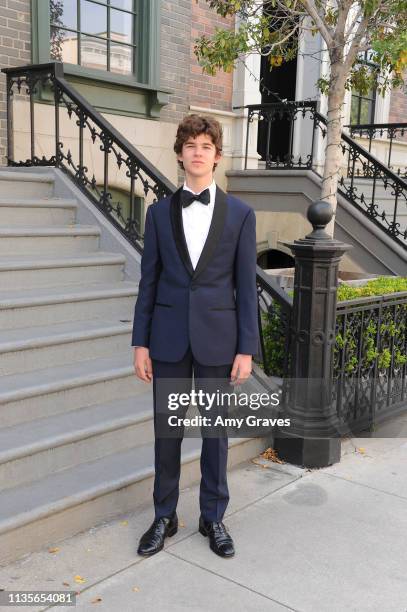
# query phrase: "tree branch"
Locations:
[[343, 13], [325, 30], [360, 32]]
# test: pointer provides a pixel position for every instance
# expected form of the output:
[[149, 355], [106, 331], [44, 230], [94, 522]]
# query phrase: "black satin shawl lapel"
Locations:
[[215, 231], [214, 234], [178, 230]]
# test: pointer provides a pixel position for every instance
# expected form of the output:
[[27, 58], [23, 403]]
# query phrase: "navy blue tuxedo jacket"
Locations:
[[212, 308]]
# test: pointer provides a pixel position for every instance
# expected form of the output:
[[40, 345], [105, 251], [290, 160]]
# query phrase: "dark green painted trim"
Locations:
[[108, 77], [148, 54], [106, 91], [129, 101], [40, 31]]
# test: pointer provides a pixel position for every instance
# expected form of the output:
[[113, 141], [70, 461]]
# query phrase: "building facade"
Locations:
[[134, 61]]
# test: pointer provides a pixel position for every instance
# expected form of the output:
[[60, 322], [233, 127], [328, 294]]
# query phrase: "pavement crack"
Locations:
[[361, 484], [205, 569]]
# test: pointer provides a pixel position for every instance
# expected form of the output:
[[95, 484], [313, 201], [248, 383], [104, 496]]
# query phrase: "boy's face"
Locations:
[[199, 155]]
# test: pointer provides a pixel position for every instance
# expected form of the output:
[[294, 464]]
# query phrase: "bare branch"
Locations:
[[325, 30], [361, 32], [281, 41], [343, 13], [353, 23]]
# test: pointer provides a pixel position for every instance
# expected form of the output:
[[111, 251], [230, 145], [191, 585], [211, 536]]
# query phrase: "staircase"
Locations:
[[76, 429]]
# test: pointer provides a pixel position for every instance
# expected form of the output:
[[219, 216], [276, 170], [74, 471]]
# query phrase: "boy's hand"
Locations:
[[142, 364], [241, 369]]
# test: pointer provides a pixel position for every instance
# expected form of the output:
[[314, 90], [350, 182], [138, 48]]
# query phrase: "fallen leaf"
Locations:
[[271, 454], [181, 524], [66, 584], [124, 522], [361, 450], [79, 579], [136, 589], [53, 550], [96, 600]]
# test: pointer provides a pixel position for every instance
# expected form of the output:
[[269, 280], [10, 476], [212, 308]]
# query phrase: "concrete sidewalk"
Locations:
[[308, 540]]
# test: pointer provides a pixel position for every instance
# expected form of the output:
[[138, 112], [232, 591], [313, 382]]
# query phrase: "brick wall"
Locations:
[[174, 69], [398, 105], [182, 21], [208, 91], [15, 49]]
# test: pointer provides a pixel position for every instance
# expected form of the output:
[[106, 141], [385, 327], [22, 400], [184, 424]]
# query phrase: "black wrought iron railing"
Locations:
[[391, 135], [370, 359], [276, 122], [292, 136], [103, 163], [382, 198], [117, 177], [275, 319]]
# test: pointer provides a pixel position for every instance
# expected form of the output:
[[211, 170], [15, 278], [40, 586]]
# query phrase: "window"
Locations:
[[109, 50], [96, 34], [363, 106]]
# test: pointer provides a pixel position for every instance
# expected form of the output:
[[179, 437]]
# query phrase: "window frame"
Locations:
[[82, 34], [360, 97], [147, 74]]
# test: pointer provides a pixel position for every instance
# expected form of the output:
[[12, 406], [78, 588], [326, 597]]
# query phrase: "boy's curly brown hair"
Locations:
[[194, 125]]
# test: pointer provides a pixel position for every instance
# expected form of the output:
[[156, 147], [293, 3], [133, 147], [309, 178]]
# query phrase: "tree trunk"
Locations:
[[333, 153]]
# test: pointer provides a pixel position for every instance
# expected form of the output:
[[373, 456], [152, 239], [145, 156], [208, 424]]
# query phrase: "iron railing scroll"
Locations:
[[119, 179], [389, 133], [102, 163], [370, 359], [365, 181], [275, 320]]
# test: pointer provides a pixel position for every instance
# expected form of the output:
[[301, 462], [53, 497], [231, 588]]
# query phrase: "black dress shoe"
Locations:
[[152, 541], [219, 539]]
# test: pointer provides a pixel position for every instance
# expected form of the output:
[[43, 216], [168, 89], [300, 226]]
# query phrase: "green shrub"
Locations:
[[274, 338]]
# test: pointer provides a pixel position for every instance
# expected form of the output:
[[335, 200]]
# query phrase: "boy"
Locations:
[[196, 311]]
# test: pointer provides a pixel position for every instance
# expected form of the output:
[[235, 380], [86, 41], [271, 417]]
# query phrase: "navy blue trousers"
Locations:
[[213, 493]]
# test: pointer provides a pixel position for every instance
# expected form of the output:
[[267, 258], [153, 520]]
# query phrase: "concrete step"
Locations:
[[26, 184], [20, 271], [38, 514], [36, 449], [37, 211], [49, 305], [52, 239], [40, 393], [32, 348]]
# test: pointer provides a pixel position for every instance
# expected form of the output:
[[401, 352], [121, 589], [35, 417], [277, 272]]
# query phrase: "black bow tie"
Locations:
[[187, 197]]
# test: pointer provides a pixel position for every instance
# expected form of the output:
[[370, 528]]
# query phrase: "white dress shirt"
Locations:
[[196, 219]]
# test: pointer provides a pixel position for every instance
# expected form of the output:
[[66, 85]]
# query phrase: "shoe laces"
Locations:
[[220, 529]]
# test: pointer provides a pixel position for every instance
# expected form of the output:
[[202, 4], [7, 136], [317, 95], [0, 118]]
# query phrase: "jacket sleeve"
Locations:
[[151, 266], [246, 288]]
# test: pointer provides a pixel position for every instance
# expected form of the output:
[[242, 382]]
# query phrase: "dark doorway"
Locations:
[[273, 258], [279, 83]]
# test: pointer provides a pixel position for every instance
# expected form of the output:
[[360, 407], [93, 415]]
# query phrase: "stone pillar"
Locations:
[[313, 440]]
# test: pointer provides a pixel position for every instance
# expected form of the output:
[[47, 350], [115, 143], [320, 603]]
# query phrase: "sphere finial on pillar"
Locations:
[[319, 214]]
